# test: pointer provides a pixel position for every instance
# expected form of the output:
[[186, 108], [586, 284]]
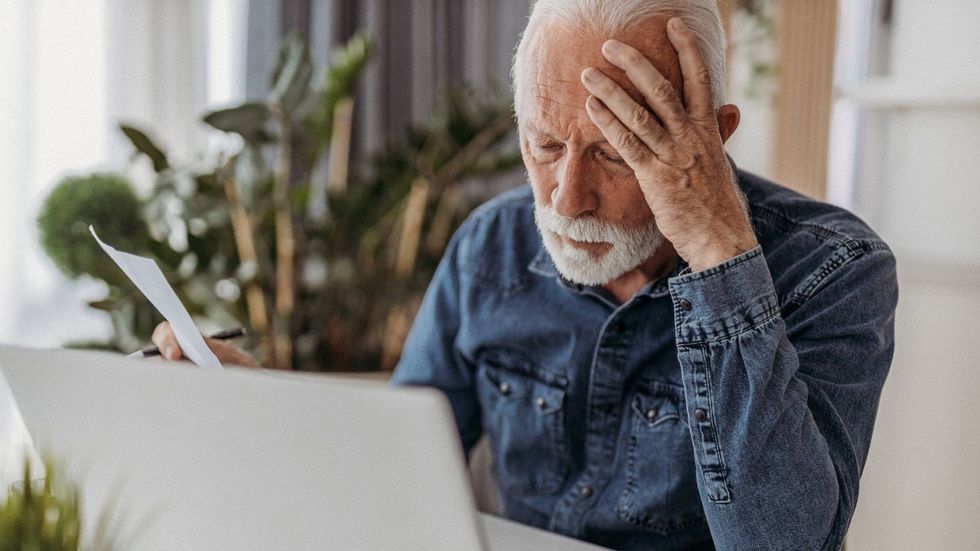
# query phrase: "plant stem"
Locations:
[[408, 245], [340, 135], [285, 246], [243, 231]]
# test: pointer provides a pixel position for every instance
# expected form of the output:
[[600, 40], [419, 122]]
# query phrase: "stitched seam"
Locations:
[[767, 316], [854, 248], [722, 465], [734, 336], [787, 224], [711, 404], [832, 265]]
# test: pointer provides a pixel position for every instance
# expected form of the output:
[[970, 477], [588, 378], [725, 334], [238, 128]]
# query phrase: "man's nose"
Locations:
[[575, 193]]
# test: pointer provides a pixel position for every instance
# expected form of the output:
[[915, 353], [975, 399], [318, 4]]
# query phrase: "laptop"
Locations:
[[246, 459]]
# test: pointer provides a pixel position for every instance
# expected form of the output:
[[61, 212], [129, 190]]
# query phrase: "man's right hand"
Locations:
[[228, 354]]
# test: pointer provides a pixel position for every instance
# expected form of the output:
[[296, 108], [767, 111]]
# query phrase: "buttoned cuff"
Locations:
[[723, 300]]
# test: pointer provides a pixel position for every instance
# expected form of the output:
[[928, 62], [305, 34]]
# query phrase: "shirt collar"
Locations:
[[542, 264]]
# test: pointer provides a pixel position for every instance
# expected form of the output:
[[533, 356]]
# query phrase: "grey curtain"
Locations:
[[420, 46]]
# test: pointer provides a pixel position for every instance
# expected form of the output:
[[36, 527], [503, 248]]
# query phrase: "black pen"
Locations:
[[220, 335]]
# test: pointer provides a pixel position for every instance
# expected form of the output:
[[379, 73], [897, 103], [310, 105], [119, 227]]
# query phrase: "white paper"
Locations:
[[16, 445], [148, 278]]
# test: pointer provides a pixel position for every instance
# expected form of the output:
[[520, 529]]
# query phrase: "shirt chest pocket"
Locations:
[[523, 416], [660, 492]]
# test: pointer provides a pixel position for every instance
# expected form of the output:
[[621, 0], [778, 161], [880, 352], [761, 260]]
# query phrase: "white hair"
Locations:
[[609, 17]]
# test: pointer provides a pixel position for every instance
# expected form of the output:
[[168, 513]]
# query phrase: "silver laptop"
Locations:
[[194, 459]]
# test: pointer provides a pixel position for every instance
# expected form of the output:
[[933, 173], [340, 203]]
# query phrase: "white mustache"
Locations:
[[586, 229]]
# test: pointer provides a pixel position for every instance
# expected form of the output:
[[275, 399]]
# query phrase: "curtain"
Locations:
[[420, 46], [72, 71], [423, 45]]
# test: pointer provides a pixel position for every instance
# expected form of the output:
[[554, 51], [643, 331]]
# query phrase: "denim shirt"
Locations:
[[730, 408]]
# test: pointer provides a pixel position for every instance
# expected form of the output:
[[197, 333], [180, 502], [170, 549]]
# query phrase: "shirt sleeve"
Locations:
[[430, 356], [781, 400]]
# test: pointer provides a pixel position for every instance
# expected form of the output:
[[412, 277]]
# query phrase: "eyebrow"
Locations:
[[533, 127]]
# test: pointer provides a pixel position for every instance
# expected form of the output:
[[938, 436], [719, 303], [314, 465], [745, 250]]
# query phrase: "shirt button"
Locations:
[[700, 415], [651, 414], [504, 389], [585, 491], [541, 403], [685, 304]]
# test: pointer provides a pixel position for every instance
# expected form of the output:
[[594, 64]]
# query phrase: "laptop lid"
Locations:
[[245, 459]]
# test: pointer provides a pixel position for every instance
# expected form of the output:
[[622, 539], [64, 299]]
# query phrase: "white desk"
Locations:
[[505, 535]]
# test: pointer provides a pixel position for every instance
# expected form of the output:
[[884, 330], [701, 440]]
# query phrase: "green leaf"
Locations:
[[106, 305], [347, 62], [145, 145], [249, 120], [291, 78]]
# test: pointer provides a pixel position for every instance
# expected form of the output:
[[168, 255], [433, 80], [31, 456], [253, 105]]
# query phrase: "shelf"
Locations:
[[888, 94]]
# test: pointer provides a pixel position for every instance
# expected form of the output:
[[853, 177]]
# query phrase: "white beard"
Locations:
[[630, 246]]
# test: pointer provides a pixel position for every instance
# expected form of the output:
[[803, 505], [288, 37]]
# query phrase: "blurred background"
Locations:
[[197, 131]]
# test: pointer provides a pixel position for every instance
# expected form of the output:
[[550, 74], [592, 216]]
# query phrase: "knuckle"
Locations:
[[704, 76], [629, 144], [651, 136], [664, 90], [640, 117], [675, 110]]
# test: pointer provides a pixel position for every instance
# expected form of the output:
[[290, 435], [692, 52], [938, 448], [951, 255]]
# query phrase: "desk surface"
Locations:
[[506, 535]]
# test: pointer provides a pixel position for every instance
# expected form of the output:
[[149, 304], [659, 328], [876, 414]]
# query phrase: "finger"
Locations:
[[230, 354], [165, 340], [634, 151], [635, 117], [658, 92], [698, 93]]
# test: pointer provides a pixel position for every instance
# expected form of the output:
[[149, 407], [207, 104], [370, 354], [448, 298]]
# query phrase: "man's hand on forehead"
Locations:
[[675, 148]]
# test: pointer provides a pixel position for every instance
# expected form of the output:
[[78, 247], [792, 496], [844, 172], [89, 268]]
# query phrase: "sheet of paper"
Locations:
[[148, 278], [16, 445]]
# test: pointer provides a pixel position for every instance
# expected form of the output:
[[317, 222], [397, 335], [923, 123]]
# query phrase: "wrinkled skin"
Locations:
[[623, 128]]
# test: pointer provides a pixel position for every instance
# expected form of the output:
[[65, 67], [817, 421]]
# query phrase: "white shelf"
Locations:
[[889, 94]]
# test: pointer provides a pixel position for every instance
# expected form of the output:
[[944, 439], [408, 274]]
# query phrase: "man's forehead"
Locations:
[[561, 51]]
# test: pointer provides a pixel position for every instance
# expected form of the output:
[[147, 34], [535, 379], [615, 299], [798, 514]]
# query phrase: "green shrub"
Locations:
[[43, 517], [104, 200]]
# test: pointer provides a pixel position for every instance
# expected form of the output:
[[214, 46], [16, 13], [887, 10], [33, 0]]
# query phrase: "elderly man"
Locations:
[[665, 352]]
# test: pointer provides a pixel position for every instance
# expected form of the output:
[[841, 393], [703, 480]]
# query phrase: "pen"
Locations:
[[220, 335]]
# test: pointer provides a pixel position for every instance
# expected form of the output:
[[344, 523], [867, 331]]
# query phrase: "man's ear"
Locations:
[[728, 119]]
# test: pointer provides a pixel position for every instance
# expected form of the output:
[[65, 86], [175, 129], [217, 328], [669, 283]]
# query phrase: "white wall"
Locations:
[[52, 90], [919, 186], [71, 71]]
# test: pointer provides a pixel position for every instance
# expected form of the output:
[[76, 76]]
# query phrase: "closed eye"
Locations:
[[611, 158]]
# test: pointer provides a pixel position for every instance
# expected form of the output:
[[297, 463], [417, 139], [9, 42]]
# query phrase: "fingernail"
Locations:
[[168, 352], [677, 23], [591, 75], [612, 45]]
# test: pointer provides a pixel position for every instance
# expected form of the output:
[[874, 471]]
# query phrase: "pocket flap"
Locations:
[[657, 402]]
